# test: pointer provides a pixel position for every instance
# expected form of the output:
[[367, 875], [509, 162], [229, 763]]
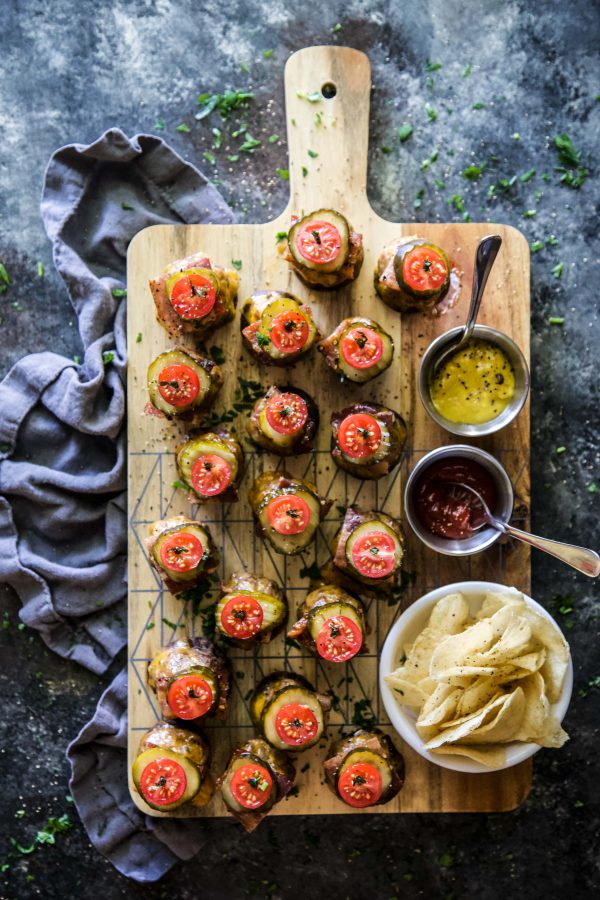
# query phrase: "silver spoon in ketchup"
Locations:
[[586, 561]]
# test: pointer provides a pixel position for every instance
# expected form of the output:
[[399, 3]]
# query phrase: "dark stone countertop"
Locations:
[[68, 71]]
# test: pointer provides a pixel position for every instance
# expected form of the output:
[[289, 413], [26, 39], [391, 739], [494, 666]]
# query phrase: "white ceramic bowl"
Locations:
[[404, 631]]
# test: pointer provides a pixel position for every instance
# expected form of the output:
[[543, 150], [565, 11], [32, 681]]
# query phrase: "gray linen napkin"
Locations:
[[62, 464]]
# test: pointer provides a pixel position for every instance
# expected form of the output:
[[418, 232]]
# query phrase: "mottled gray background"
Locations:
[[68, 70]]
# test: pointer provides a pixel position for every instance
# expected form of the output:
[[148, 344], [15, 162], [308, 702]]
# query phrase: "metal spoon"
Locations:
[[586, 561], [484, 260]]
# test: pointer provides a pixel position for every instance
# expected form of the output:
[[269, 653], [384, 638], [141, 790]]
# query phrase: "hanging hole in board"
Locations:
[[329, 90]]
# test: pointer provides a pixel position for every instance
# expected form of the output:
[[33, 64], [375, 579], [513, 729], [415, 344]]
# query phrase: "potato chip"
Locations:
[[487, 755], [484, 681]]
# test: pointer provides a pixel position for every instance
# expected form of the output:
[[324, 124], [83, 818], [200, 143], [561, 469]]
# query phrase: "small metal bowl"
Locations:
[[517, 361], [486, 536]]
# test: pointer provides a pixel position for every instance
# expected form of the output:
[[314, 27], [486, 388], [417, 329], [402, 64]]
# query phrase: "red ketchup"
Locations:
[[447, 509]]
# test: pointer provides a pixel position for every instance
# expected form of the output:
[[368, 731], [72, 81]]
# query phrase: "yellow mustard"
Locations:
[[474, 385]]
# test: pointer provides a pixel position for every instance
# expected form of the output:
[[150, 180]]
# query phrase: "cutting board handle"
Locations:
[[336, 128]]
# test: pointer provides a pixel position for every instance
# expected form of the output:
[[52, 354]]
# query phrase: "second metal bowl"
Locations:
[[503, 507]]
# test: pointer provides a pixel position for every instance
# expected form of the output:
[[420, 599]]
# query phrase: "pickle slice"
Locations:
[[318, 617], [371, 759], [331, 217], [297, 698], [196, 531], [274, 610], [204, 446], [372, 568], [154, 755], [226, 791], [176, 358]]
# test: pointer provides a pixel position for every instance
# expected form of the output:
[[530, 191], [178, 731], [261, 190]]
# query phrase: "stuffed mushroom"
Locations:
[[284, 421], [331, 624], [277, 328], [287, 510], [288, 712], [367, 439], [211, 465], [190, 679], [364, 769], [182, 552], [358, 350], [369, 548], [323, 250], [251, 608], [194, 297], [171, 768], [256, 778], [412, 273], [181, 384]]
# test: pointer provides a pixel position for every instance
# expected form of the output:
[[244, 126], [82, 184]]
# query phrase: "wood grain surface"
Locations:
[[337, 130]]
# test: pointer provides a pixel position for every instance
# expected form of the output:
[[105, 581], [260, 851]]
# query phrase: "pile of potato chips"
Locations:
[[484, 680]]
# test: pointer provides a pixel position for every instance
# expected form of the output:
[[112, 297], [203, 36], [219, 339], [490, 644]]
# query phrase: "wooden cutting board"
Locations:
[[337, 130]]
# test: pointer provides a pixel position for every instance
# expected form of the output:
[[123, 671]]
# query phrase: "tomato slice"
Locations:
[[193, 296], [190, 697], [423, 269], [181, 552], [296, 724], [339, 639], [163, 781], [361, 347], [242, 616], [374, 555], [178, 385], [286, 413], [251, 785], [288, 514], [211, 475], [289, 331], [360, 784], [318, 242], [359, 435]]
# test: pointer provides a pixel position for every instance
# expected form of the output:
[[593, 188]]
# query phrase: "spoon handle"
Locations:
[[484, 260], [586, 561]]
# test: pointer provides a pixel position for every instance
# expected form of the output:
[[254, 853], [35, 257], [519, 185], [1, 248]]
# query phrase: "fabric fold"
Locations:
[[63, 509]]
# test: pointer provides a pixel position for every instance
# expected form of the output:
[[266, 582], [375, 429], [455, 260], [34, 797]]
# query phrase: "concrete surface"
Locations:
[[68, 70]]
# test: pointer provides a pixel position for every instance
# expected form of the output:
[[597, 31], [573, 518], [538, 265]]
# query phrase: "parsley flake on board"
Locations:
[[313, 97]]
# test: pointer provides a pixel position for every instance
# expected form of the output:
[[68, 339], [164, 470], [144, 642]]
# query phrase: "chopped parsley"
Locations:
[[573, 173], [280, 236], [237, 264], [558, 270], [284, 174], [126, 206], [183, 128], [268, 54], [304, 171], [556, 320], [363, 715], [530, 214], [419, 198], [432, 67], [210, 157], [467, 70], [592, 488], [313, 154], [263, 340], [218, 136], [311, 572], [40, 270], [119, 293], [536, 246], [249, 144], [108, 356], [273, 138], [4, 278], [527, 176], [217, 355], [478, 105], [138, 337], [337, 27], [560, 450], [431, 113], [179, 485], [313, 97], [223, 103], [473, 172], [551, 241], [404, 132]]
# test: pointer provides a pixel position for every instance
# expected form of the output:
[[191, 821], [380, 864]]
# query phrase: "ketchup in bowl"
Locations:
[[447, 509]]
